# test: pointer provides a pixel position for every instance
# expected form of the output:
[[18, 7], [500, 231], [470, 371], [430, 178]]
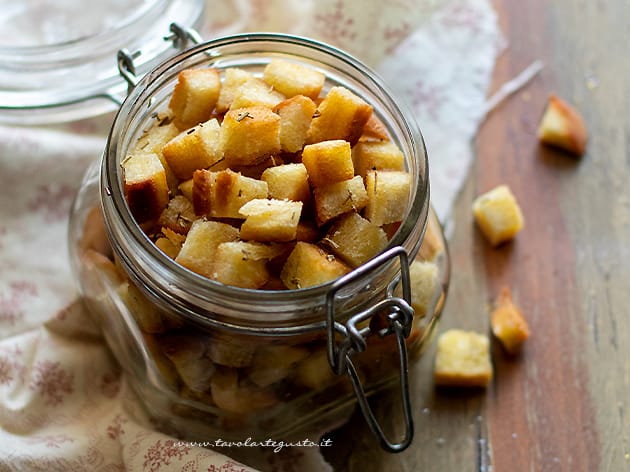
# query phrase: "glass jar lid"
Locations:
[[65, 67]]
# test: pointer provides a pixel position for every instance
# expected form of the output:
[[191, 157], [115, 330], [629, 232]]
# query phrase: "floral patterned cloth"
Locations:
[[61, 393]]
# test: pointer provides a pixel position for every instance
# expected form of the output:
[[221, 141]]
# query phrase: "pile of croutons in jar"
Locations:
[[266, 182]]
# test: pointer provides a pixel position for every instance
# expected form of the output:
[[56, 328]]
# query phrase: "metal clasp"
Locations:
[[399, 320], [180, 38]]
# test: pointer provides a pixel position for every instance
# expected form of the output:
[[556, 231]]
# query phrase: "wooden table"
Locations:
[[564, 403]]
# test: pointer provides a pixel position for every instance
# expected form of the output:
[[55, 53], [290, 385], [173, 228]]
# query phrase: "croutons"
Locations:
[[376, 155], [310, 265], [233, 79], [341, 115], [498, 215], [194, 96], [562, 126], [145, 186], [293, 79], [423, 277], [222, 194], [287, 182], [250, 135], [462, 359], [295, 119], [256, 92], [234, 265], [196, 148], [339, 198], [270, 220], [187, 353], [355, 240], [178, 215], [388, 196], [198, 252], [143, 311], [328, 162], [508, 324]]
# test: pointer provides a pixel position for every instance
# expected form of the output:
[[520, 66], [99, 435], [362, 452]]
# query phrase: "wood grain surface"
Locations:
[[564, 403]]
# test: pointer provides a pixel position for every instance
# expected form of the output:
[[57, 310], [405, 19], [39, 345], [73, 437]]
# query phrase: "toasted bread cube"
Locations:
[[374, 129], [355, 240], [168, 247], [231, 351], [310, 265], [339, 198], [328, 162], [255, 171], [198, 251], [196, 148], [293, 79], [424, 281], [498, 215], [234, 266], [562, 126], [233, 79], [288, 182], [296, 114], [388, 196], [462, 359], [250, 135], [194, 96], [186, 188], [188, 355], [315, 372], [145, 313], [270, 220], [376, 155], [222, 194], [178, 215], [341, 115], [256, 92], [272, 363], [237, 397], [145, 186], [508, 323], [152, 141]]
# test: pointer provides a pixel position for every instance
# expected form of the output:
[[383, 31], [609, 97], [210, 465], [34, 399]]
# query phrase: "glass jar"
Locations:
[[210, 360]]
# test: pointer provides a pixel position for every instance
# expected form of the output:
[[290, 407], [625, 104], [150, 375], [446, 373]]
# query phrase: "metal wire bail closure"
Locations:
[[400, 318]]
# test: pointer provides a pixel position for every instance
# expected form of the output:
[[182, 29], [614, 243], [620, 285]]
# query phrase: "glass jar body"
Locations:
[[211, 360]]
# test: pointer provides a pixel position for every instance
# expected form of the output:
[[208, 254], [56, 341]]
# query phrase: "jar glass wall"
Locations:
[[213, 359]]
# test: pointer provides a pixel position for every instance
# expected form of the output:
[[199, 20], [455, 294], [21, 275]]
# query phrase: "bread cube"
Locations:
[[339, 198], [310, 265], [222, 194], [374, 129], [355, 240], [256, 92], [145, 186], [152, 141], [233, 266], [196, 148], [462, 359], [194, 96], [288, 182], [198, 251], [187, 353], [270, 220], [562, 126], [145, 313], [315, 372], [168, 247], [233, 79], [178, 215], [296, 114], [186, 189], [341, 115], [328, 162], [250, 135], [388, 196], [508, 323], [238, 397], [377, 155], [424, 281], [290, 78], [273, 363], [498, 215]]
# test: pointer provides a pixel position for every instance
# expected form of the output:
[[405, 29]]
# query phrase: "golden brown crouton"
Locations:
[[388, 196], [508, 323], [270, 220], [328, 162], [232, 81], [462, 359], [194, 96], [339, 198], [377, 155], [256, 92], [498, 215], [145, 186], [288, 182], [295, 119], [355, 240], [250, 135], [178, 215], [310, 265], [562, 126], [293, 79], [341, 115]]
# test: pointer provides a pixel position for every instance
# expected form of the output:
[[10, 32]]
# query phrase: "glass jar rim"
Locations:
[[79, 78], [199, 289]]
